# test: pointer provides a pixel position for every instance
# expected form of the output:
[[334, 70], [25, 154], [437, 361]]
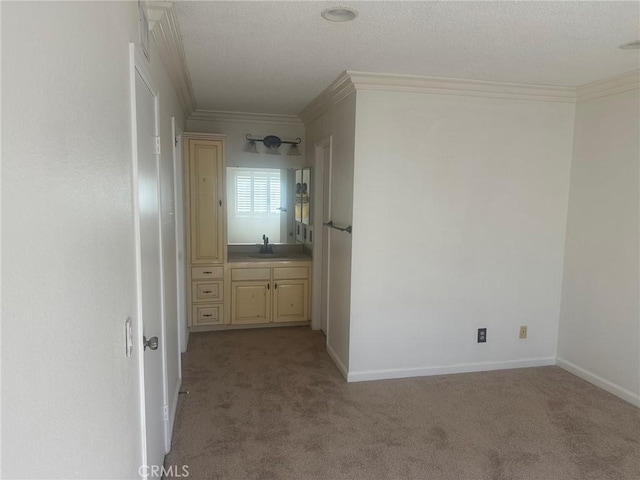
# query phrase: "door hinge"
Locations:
[[157, 145], [165, 410], [176, 141]]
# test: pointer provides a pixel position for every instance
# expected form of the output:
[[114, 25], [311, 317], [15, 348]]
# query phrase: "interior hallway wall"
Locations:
[[338, 123], [599, 336], [70, 396], [459, 218]]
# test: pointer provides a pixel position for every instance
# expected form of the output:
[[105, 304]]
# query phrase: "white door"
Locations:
[[326, 236], [150, 270]]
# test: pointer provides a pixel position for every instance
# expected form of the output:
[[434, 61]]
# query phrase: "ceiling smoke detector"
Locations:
[[339, 14], [635, 45]]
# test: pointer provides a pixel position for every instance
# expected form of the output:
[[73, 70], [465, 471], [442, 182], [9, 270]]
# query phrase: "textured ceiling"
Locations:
[[274, 57]]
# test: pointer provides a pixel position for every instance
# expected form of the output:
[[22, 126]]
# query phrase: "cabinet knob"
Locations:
[[206, 291]]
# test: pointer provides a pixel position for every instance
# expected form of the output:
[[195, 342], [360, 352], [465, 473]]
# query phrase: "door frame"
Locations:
[[322, 171], [181, 254], [138, 65]]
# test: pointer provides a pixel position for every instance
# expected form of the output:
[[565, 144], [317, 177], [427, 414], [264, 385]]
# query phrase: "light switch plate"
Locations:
[[128, 337]]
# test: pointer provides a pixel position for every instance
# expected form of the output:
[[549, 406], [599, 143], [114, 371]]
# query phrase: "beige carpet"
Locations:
[[270, 404]]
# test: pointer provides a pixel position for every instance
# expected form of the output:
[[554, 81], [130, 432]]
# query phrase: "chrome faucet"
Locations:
[[265, 247]]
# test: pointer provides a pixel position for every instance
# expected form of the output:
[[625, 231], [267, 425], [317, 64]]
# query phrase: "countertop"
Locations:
[[276, 257]]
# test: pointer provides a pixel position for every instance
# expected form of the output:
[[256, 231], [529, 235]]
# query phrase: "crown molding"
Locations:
[[350, 81], [609, 86], [203, 115], [339, 89], [457, 86], [166, 34], [154, 10]]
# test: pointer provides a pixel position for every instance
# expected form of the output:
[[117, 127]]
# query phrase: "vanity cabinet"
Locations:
[[206, 195], [262, 294], [250, 295], [204, 163], [290, 294]]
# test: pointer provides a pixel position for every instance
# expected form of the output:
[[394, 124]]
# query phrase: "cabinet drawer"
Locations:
[[207, 315], [206, 273], [207, 291], [250, 274], [285, 273]]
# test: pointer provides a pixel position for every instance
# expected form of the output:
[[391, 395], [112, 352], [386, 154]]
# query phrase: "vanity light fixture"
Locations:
[[294, 150], [635, 45], [272, 143], [339, 14], [251, 147]]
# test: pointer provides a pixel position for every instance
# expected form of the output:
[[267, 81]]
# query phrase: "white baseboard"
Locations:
[[172, 416], [598, 381], [366, 375], [338, 362]]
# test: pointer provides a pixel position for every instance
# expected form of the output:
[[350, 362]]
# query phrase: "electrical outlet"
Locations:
[[482, 335], [523, 331]]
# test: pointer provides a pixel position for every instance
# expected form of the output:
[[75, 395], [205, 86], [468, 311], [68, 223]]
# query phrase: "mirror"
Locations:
[[261, 201], [306, 196], [303, 196]]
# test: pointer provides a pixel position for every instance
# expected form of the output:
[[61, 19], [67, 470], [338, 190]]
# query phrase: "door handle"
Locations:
[[152, 343]]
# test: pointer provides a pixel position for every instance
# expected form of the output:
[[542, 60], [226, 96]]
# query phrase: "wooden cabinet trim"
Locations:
[[283, 273], [240, 274], [207, 314], [207, 273]]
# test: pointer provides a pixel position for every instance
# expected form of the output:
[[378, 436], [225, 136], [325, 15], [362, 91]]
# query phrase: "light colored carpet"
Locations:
[[270, 404]]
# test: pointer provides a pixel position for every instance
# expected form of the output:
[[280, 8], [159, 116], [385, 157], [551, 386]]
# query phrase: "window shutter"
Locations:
[[243, 194], [274, 194], [258, 192]]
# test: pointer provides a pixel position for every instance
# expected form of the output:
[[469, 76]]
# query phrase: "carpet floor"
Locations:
[[270, 404]]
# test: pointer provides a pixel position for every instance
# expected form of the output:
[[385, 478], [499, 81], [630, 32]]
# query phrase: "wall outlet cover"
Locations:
[[482, 335], [523, 331]]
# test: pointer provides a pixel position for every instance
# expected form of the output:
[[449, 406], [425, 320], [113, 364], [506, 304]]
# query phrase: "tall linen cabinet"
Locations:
[[204, 161]]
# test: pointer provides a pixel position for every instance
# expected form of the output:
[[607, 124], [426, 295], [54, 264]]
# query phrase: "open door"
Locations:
[[325, 155], [146, 200]]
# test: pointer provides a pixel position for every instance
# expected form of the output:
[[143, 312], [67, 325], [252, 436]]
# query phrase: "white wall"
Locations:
[[459, 219], [236, 132], [236, 142], [339, 124], [599, 335], [70, 396]]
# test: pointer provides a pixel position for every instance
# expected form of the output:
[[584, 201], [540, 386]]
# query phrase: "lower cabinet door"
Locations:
[[250, 302], [207, 315], [290, 301]]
